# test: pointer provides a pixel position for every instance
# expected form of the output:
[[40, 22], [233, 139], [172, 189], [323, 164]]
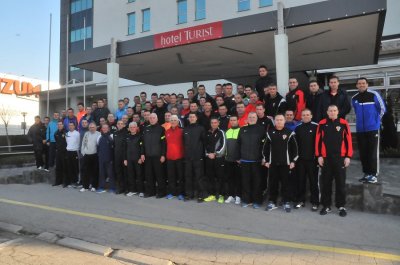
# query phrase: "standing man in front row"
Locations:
[[369, 109], [333, 147], [73, 141], [61, 155]]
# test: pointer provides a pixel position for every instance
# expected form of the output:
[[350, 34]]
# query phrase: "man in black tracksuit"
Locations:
[[37, 135], [307, 165], [250, 141], [133, 150], [153, 156], [335, 96], [313, 98], [280, 153], [61, 155], [215, 145], [119, 137], [274, 102], [193, 139], [333, 147]]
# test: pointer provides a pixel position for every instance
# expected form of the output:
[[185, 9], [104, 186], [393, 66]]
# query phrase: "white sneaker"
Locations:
[[237, 200], [83, 190], [69, 186], [39, 168], [93, 189], [46, 170], [230, 199], [129, 194], [141, 195]]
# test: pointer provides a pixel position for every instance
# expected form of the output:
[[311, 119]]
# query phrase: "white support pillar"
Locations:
[[113, 78], [281, 54]]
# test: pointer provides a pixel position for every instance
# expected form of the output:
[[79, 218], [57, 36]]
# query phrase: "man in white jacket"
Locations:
[[73, 140]]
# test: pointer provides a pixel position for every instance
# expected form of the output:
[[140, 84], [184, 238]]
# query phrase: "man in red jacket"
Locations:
[[174, 139], [295, 98]]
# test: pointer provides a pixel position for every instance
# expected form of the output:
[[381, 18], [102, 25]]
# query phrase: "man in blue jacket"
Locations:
[[369, 109], [50, 140]]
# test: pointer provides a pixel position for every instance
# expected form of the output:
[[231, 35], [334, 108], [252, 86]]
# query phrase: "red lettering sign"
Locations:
[[188, 35]]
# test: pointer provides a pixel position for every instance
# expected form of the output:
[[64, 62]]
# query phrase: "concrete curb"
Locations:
[[84, 246], [16, 229], [141, 259]]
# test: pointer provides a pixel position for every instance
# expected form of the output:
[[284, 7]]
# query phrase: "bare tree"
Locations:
[[6, 114]]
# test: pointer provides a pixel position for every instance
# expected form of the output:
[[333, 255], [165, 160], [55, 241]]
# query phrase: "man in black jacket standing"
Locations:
[[153, 156], [313, 98], [250, 142], [119, 137], [274, 102], [37, 135], [334, 96], [263, 81], [193, 140], [100, 112], [307, 165], [61, 155]]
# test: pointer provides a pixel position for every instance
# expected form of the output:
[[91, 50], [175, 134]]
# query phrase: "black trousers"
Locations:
[[72, 167], [135, 181], [90, 171], [233, 173], [120, 173], [251, 182], [195, 179], [175, 177], [279, 175], [368, 146], [154, 172], [307, 170], [61, 168], [52, 154], [39, 157], [216, 177], [333, 169]]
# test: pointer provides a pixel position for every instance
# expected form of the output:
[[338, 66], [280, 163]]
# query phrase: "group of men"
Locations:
[[230, 148]]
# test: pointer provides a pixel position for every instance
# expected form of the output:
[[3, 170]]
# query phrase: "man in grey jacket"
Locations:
[[90, 160]]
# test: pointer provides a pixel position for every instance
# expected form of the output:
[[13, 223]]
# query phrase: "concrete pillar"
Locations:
[[113, 78], [281, 54]]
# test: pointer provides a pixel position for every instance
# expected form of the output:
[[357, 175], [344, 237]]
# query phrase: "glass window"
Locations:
[[376, 81], [265, 3], [80, 5], [146, 19], [131, 1], [182, 11], [394, 80], [79, 34], [243, 5], [200, 9], [131, 23]]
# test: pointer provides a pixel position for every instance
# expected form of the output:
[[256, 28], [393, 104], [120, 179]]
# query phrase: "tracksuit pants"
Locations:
[[154, 172], [72, 167], [120, 173], [333, 169], [61, 169], [251, 182], [90, 170], [195, 179], [39, 157], [175, 177], [279, 174], [52, 154], [135, 181], [216, 177], [106, 170], [368, 146], [307, 169], [233, 173]]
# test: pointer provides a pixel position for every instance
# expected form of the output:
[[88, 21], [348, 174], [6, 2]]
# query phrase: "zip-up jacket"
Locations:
[[232, 148], [51, 130], [193, 140], [313, 104], [296, 102], [119, 138], [174, 138], [89, 143], [251, 140], [305, 137], [61, 142], [36, 134], [261, 83], [276, 105], [280, 147], [369, 108], [223, 123], [266, 122], [100, 113], [105, 145], [333, 139], [215, 143], [133, 147], [341, 100], [68, 120], [154, 141], [291, 125]]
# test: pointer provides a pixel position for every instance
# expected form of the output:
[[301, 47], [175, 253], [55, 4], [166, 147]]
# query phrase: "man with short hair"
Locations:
[[73, 140], [90, 160], [174, 102], [167, 120], [246, 97], [145, 123], [143, 99], [160, 110], [369, 109], [105, 145], [251, 107], [185, 108], [334, 148], [241, 113], [81, 112], [111, 122], [121, 110], [70, 118], [190, 94], [119, 137], [51, 141], [313, 98], [100, 112], [37, 135], [88, 116], [334, 96], [218, 90], [229, 97], [274, 102], [263, 119], [223, 118], [295, 98], [290, 123], [61, 155], [263, 81], [201, 93]]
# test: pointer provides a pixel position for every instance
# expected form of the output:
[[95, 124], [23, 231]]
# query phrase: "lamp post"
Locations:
[[24, 123]]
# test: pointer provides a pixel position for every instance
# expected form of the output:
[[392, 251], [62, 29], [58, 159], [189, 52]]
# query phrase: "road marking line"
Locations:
[[260, 241]]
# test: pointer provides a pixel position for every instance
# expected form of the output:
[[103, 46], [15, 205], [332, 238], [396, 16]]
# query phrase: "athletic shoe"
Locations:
[[221, 199], [39, 168], [271, 206], [46, 169], [83, 190], [256, 206], [170, 197], [92, 189], [200, 200], [129, 194], [342, 212], [70, 186], [299, 205], [325, 211], [364, 179], [230, 199], [181, 198], [210, 198], [237, 200], [56, 185], [287, 207], [141, 195], [245, 205], [314, 207], [100, 191], [372, 179]]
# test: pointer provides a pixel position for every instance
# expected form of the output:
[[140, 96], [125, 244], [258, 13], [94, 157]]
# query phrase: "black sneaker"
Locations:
[[325, 211], [200, 200], [363, 179], [342, 212], [314, 207]]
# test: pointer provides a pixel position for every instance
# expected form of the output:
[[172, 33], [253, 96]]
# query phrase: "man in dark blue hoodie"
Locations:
[[105, 151]]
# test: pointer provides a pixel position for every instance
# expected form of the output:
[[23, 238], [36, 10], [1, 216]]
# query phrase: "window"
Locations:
[[200, 9], [243, 5], [394, 80], [72, 69], [264, 3], [146, 20], [131, 1], [182, 11], [131, 23], [81, 34], [80, 5]]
